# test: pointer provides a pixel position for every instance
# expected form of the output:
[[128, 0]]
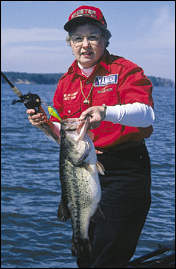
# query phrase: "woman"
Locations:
[[118, 97]]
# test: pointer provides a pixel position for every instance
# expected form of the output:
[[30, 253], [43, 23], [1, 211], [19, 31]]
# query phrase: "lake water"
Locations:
[[32, 237]]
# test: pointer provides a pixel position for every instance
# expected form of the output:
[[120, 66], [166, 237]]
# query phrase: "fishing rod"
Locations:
[[30, 100]]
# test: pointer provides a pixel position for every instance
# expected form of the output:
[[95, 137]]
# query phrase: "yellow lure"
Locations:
[[54, 113]]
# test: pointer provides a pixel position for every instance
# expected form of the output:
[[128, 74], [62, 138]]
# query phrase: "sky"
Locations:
[[33, 37]]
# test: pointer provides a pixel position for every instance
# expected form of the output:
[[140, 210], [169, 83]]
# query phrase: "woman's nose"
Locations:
[[85, 42]]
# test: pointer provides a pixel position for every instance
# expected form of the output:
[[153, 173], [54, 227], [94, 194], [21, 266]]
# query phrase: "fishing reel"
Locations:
[[30, 100]]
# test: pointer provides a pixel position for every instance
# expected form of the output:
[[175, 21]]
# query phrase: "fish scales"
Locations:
[[77, 190], [80, 185]]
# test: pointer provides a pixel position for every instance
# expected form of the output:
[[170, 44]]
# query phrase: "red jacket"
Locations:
[[115, 80]]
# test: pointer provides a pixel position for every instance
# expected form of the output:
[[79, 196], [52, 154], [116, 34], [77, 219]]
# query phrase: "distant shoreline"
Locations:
[[53, 78]]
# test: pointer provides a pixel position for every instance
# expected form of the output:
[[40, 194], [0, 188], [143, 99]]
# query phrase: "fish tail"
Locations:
[[81, 247]]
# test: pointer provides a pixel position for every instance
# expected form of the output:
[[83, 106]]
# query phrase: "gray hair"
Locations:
[[105, 32]]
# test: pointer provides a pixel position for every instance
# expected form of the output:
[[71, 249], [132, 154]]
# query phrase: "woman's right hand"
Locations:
[[37, 119]]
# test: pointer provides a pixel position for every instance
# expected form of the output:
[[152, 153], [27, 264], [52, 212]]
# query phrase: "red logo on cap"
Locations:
[[84, 12]]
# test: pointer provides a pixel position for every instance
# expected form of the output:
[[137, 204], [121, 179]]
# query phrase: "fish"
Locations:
[[80, 184]]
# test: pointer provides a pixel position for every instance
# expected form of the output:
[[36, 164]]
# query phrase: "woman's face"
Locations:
[[87, 44]]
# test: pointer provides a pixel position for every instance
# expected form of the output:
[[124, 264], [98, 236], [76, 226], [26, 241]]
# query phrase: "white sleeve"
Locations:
[[57, 127], [135, 115], [51, 131]]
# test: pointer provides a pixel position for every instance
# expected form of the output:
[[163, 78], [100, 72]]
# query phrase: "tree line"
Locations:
[[53, 78]]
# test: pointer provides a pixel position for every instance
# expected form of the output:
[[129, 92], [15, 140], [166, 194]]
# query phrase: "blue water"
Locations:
[[32, 237]]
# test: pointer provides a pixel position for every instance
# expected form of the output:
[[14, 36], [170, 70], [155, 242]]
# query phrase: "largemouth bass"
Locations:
[[81, 191]]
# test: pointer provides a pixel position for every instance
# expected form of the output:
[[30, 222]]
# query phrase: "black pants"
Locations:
[[125, 203]]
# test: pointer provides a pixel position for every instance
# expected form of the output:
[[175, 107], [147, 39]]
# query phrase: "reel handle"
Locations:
[[30, 100]]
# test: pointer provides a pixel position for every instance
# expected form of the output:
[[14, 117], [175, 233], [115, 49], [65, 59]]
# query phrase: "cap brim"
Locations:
[[74, 22]]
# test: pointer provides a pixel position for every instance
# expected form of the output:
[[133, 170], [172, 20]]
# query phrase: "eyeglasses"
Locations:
[[78, 40]]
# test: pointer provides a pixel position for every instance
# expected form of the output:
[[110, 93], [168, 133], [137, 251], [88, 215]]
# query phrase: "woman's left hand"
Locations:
[[96, 113]]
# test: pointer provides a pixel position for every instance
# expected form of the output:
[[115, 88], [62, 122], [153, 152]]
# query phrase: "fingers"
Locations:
[[86, 113], [96, 115], [30, 111], [95, 112], [92, 112], [36, 119]]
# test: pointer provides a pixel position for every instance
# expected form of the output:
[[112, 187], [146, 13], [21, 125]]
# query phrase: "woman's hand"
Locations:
[[37, 119], [96, 113]]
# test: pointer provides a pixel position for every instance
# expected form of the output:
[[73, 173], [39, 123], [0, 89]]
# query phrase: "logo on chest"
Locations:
[[105, 80], [70, 96]]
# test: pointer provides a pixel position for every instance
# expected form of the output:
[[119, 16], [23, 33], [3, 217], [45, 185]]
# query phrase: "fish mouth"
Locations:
[[76, 125], [83, 128], [71, 124]]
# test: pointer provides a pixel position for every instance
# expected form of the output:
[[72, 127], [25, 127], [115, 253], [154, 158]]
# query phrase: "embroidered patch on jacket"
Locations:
[[105, 80], [105, 90], [70, 96]]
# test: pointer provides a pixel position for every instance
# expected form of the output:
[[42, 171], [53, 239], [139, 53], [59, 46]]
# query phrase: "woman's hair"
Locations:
[[105, 32]]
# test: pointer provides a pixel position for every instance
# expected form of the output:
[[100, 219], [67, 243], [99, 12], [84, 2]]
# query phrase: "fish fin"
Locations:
[[98, 214], [100, 168], [63, 213]]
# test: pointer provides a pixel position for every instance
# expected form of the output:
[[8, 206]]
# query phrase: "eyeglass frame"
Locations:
[[97, 37]]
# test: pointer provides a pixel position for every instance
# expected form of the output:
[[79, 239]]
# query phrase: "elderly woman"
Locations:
[[118, 96]]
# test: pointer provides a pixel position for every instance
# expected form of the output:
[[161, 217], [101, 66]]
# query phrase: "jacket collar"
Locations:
[[105, 60]]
